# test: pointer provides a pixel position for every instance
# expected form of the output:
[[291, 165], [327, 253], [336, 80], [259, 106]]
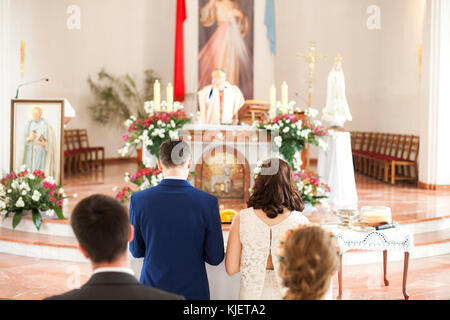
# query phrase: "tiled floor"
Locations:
[[407, 202], [428, 278]]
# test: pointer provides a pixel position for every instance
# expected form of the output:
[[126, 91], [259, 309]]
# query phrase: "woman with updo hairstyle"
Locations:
[[274, 206], [308, 261]]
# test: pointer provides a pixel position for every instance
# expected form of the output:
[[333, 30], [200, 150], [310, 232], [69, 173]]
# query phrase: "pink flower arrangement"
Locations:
[[311, 188], [124, 194], [152, 131], [143, 179], [293, 133], [33, 192]]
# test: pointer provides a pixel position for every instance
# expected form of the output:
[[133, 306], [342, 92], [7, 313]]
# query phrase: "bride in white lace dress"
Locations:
[[274, 207]]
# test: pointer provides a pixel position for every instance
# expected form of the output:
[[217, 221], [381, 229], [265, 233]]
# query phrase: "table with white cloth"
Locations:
[[377, 240], [335, 166]]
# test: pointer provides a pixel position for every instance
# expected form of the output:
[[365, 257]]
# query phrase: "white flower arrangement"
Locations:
[[20, 203], [156, 128], [278, 141], [311, 112], [292, 132]]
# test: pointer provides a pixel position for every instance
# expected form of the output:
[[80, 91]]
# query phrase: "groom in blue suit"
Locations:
[[177, 228]]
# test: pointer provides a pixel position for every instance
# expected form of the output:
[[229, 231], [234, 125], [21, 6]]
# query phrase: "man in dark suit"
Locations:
[[177, 228], [102, 228]]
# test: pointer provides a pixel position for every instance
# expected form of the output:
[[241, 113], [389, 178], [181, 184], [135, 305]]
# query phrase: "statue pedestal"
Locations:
[[335, 166]]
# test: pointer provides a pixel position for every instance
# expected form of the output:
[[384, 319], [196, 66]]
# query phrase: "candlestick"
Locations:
[[273, 99], [284, 97], [169, 97], [22, 59], [157, 95]]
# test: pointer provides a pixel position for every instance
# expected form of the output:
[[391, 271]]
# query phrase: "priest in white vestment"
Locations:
[[220, 101]]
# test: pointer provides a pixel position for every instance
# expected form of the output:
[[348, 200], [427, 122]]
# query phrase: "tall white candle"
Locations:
[[169, 97], [284, 97], [157, 95], [273, 99]]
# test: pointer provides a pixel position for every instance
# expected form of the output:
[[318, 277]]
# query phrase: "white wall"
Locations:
[[121, 36], [335, 27], [4, 85], [380, 66], [398, 84]]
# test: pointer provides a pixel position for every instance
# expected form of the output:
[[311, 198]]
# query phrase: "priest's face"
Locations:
[[36, 113], [218, 78]]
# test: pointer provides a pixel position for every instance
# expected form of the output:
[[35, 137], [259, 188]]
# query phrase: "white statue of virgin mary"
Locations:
[[336, 111]]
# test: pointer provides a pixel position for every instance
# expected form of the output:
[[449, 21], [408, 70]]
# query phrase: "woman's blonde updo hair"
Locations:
[[309, 260]]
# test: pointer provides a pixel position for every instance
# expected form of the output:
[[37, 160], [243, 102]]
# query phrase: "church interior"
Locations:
[[82, 80]]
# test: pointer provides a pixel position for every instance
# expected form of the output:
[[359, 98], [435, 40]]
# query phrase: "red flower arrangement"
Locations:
[[143, 179]]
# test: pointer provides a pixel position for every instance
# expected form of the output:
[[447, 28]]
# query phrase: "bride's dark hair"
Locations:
[[273, 192]]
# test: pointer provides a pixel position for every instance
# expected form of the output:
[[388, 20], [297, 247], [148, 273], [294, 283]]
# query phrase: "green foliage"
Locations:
[[117, 98]]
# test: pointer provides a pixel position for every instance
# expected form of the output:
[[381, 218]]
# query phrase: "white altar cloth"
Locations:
[[390, 239], [335, 166]]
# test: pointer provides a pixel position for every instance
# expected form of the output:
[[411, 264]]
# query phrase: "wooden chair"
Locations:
[[409, 154], [380, 149], [384, 149], [365, 139], [355, 140], [392, 150], [72, 153], [366, 149], [369, 155], [91, 152]]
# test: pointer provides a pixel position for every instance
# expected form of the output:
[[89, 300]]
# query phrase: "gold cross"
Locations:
[[311, 57]]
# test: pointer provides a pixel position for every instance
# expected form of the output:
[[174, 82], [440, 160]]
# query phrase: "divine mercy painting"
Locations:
[[226, 42]]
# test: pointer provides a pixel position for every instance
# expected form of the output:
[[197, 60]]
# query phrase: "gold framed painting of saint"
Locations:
[[37, 133], [226, 42]]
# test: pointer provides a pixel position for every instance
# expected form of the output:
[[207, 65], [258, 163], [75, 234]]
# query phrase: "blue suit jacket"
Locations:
[[177, 229]]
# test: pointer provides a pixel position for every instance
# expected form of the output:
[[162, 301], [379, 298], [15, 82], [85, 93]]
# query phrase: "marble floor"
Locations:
[[407, 202], [428, 278]]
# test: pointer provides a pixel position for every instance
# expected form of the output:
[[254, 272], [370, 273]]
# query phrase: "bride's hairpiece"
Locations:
[[283, 239], [256, 172], [257, 169]]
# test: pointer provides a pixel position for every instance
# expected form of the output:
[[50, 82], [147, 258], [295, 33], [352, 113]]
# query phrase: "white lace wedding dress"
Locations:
[[258, 242]]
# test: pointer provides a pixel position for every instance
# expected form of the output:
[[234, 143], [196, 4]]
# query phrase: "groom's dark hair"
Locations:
[[101, 225], [174, 153]]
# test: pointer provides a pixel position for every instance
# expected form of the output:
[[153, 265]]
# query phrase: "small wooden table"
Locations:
[[386, 240]]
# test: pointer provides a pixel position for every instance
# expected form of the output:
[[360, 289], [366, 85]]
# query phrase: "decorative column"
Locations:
[[5, 121], [434, 154]]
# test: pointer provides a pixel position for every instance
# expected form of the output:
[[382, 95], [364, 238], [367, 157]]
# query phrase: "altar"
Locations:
[[223, 158]]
